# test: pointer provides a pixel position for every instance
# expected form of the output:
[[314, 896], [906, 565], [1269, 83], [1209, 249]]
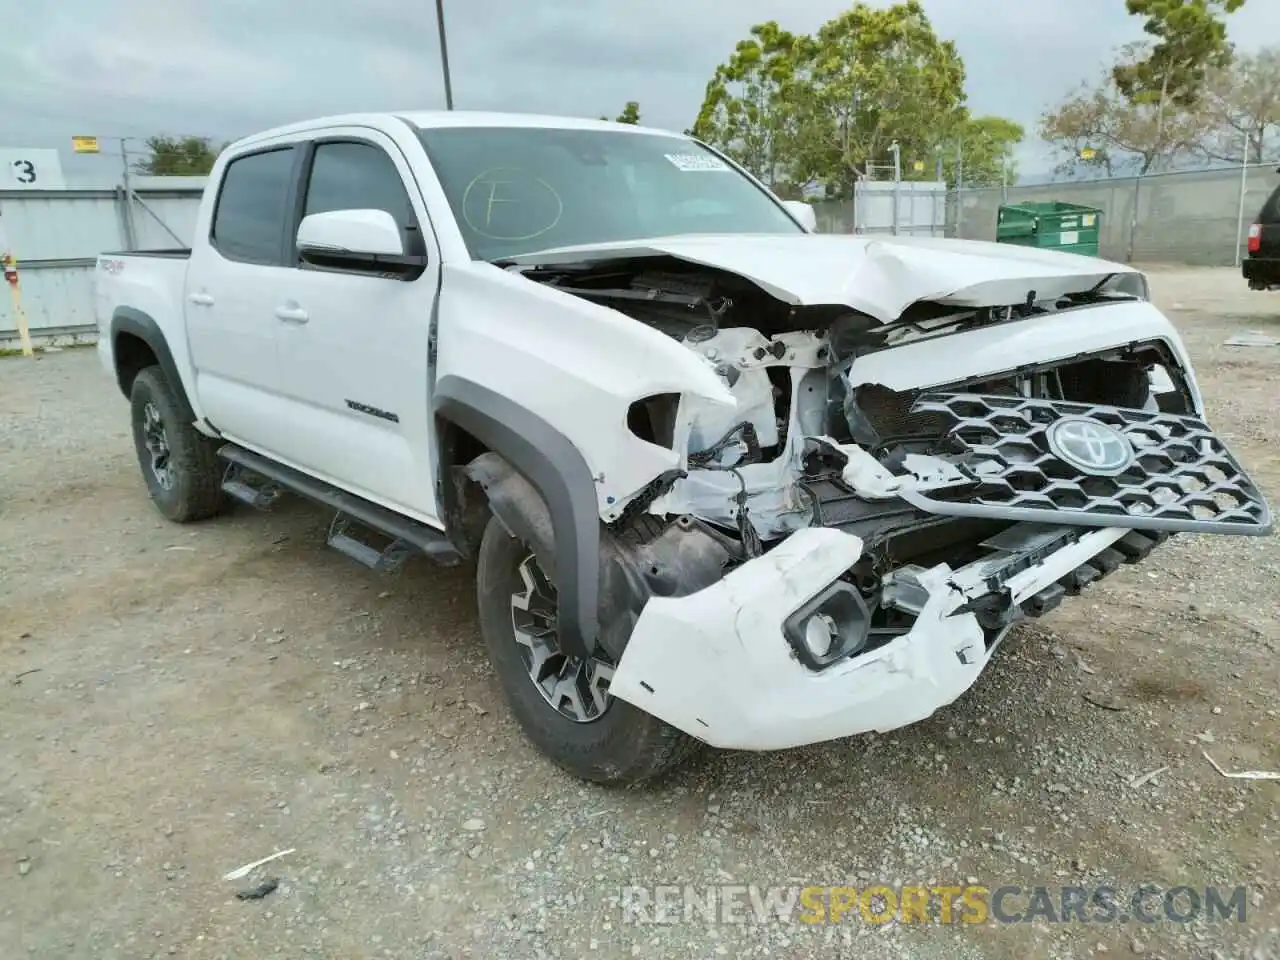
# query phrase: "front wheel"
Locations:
[[562, 703], [179, 463]]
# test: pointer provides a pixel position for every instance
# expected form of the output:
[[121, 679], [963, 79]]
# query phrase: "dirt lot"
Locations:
[[177, 701]]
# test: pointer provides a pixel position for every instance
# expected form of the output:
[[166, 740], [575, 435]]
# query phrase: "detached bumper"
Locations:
[[716, 664]]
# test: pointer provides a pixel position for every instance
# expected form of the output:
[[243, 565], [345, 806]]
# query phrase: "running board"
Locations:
[[409, 534]]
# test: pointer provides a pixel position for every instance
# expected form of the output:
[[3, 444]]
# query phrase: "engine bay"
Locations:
[[812, 441]]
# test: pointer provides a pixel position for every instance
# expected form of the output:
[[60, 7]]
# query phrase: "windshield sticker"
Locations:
[[696, 162]]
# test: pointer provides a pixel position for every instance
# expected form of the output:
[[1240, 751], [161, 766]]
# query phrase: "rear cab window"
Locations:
[[249, 219]]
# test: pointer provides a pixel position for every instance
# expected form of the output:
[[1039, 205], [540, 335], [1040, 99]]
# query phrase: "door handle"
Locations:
[[292, 314], [201, 299]]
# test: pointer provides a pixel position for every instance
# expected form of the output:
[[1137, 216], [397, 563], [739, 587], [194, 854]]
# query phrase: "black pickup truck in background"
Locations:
[[1262, 265]]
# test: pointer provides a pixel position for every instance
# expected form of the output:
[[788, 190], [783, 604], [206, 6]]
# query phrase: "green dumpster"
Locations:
[[1053, 226]]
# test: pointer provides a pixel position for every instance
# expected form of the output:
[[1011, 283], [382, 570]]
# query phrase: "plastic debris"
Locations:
[[1242, 774], [261, 890], [1144, 778], [241, 872], [1251, 338], [1104, 704]]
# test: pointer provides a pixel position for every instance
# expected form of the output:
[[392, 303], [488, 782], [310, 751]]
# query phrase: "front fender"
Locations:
[[541, 489], [574, 365]]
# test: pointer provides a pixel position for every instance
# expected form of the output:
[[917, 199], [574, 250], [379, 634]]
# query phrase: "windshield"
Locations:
[[516, 190]]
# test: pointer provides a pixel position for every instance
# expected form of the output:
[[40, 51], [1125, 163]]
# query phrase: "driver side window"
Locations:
[[349, 175]]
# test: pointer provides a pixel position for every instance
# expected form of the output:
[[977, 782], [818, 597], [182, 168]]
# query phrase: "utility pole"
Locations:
[[444, 55]]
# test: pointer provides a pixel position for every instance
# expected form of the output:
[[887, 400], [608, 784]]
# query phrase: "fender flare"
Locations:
[[555, 468], [141, 325]]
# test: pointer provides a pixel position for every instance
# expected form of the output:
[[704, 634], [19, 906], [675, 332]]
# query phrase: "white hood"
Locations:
[[877, 275]]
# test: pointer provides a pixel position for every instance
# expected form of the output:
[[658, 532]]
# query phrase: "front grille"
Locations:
[[1181, 477]]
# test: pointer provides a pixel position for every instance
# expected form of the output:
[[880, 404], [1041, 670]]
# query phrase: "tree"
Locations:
[[1190, 40], [797, 110], [178, 157], [1243, 102], [880, 76], [750, 103], [1099, 128], [630, 113], [986, 145]]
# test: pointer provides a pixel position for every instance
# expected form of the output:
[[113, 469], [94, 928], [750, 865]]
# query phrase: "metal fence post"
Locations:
[[959, 188], [897, 181], [1244, 186], [130, 233], [1133, 219]]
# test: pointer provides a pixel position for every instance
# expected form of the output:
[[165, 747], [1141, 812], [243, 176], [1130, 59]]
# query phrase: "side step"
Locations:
[[387, 559], [406, 535], [257, 492]]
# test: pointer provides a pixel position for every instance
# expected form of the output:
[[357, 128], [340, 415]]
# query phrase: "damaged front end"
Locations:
[[844, 548]]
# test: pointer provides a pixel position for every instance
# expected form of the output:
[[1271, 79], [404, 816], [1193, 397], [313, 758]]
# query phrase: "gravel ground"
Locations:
[[178, 701]]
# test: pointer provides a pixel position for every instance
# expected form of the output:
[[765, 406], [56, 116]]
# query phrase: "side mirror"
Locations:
[[361, 240], [804, 213]]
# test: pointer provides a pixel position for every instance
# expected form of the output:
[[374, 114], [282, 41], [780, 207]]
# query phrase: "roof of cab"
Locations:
[[428, 119]]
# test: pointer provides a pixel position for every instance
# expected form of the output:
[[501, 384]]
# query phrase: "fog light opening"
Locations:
[[819, 635], [829, 627]]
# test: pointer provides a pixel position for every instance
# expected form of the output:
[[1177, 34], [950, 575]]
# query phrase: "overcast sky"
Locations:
[[224, 68]]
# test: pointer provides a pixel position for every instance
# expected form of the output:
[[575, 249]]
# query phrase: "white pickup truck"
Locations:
[[723, 480]]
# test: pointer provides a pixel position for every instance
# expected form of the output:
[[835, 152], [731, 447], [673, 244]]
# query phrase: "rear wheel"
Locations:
[[562, 703], [179, 464]]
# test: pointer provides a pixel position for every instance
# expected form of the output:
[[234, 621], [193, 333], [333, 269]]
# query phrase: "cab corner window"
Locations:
[[248, 223]]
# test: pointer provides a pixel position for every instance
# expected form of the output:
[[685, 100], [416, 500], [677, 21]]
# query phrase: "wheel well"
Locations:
[[132, 355], [464, 507]]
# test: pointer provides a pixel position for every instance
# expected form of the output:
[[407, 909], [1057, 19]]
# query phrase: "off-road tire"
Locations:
[[195, 492], [625, 745]]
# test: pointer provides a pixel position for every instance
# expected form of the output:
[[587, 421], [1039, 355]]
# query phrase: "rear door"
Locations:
[[354, 360], [232, 288]]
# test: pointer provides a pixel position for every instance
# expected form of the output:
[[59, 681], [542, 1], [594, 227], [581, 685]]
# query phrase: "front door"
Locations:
[[354, 344]]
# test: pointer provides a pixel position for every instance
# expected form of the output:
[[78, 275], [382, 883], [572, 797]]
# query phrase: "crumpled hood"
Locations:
[[877, 275]]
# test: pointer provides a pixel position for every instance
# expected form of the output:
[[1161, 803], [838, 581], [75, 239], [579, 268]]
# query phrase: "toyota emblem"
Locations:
[[1090, 446]]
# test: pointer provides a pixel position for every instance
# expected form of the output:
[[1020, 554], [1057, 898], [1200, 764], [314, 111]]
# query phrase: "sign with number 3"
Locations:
[[34, 169]]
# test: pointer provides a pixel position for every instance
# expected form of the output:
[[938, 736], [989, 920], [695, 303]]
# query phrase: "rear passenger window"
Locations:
[[356, 176], [249, 221]]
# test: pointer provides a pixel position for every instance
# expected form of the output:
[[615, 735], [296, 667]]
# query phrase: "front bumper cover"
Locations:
[[716, 665]]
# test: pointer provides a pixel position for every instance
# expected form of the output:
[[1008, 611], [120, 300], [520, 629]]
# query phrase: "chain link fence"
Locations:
[[1194, 217]]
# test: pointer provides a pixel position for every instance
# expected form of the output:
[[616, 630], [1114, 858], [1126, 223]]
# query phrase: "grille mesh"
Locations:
[[1182, 476]]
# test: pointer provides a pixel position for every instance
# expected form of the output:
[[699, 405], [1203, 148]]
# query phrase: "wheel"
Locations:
[[562, 703], [179, 464]]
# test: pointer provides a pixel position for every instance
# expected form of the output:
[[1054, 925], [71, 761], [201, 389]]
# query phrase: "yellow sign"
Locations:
[[1087, 153], [84, 144], [919, 166]]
